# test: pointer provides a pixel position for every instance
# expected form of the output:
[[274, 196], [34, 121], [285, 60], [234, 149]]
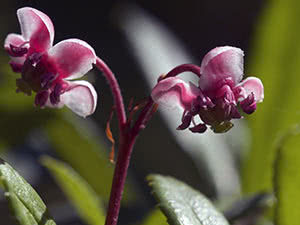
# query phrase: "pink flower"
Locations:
[[50, 70], [216, 98]]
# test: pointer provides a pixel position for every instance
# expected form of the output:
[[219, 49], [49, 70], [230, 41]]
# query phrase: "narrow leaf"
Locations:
[[21, 213], [279, 69], [155, 218], [77, 190], [183, 205], [26, 204], [287, 179]]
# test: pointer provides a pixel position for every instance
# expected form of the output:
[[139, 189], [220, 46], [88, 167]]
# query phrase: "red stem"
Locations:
[[182, 68], [115, 89], [143, 118], [127, 140], [119, 179]]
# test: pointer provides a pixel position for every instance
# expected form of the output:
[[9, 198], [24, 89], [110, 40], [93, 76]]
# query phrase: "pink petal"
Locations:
[[37, 28], [222, 65], [18, 60], [15, 40], [81, 98], [255, 86], [174, 92], [72, 58]]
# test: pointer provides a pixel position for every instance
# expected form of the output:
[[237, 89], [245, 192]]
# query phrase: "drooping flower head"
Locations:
[[50, 70], [219, 92]]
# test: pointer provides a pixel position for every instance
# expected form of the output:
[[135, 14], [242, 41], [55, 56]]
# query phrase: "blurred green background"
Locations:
[[141, 40]]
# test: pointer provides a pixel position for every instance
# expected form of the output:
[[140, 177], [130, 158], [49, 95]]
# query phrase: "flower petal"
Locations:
[[174, 92], [14, 40], [72, 58], [222, 65], [37, 28], [255, 86], [81, 98]]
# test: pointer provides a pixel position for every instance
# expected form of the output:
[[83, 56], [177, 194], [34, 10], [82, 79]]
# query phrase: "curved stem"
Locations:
[[115, 88], [182, 68], [127, 140]]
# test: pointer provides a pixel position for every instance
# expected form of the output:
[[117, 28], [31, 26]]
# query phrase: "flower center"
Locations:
[[40, 77], [215, 112], [18, 51]]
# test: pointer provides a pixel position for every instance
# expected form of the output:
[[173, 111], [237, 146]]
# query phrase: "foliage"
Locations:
[[155, 217], [287, 178], [26, 204], [183, 205], [78, 191], [275, 59]]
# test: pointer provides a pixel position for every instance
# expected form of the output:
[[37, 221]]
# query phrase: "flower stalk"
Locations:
[[127, 140]]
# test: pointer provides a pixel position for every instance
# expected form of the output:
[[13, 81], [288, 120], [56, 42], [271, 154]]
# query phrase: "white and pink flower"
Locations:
[[50, 70], [218, 93]]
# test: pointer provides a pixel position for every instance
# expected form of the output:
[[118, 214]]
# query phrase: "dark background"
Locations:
[[200, 25]]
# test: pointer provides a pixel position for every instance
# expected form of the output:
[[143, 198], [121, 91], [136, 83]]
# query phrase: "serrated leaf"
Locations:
[[77, 190], [26, 204], [275, 59], [183, 205], [155, 217], [287, 179]]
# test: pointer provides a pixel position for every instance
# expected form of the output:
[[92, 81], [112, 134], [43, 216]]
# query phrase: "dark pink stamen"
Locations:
[[41, 98], [249, 105], [17, 51], [47, 79], [235, 114], [186, 121], [200, 128], [205, 102], [55, 94]]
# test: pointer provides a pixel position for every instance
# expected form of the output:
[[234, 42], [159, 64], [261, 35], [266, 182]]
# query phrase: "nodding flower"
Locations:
[[216, 97], [49, 70]]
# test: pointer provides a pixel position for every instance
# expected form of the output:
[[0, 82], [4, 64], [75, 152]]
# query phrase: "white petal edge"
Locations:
[[81, 98], [23, 16], [207, 81], [216, 51], [61, 50], [165, 94], [13, 39], [255, 86], [16, 40]]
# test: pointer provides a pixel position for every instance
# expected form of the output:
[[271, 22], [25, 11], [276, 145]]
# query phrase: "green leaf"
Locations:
[[26, 204], [287, 179], [77, 190], [155, 217], [183, 205], [275, 59], [22, 214]]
